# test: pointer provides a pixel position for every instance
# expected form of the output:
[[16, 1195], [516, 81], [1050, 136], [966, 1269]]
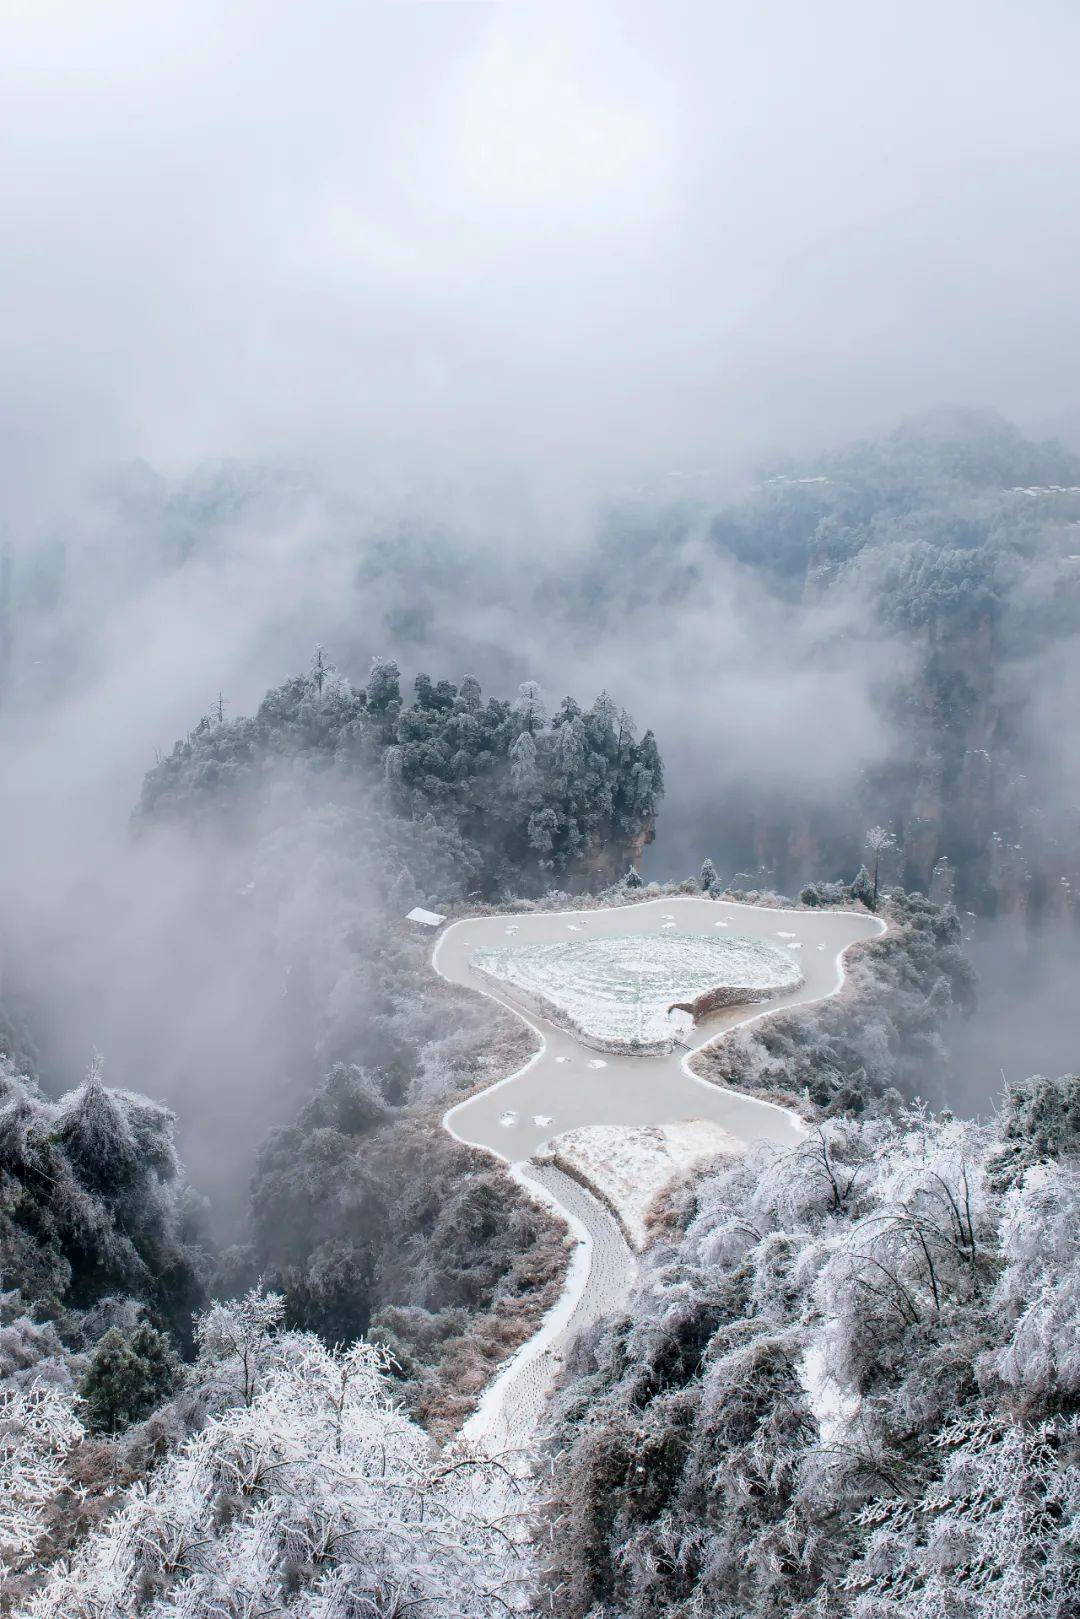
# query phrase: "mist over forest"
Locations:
[[513, 465], [885, 634]]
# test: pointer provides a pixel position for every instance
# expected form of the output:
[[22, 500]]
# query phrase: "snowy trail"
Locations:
[[564, 1086], [510, 1413]]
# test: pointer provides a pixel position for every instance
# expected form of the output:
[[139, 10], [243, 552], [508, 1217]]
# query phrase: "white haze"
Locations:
[[578, 240], [474, 270]]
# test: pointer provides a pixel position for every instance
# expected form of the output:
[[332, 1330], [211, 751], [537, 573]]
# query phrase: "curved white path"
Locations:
[[566, 1085]]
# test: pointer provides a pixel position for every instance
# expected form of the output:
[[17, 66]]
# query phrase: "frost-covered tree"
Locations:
[[878, 841], [237, 1343], [543, 828], [314, 1496], [571, 747], [39, 1426], [709, 880], [523, 762], [862, 888], [1039, 1289], [93, 1204], [383, 685], [531, 707], [1039, 1123], [470, 694], [128, 1377]]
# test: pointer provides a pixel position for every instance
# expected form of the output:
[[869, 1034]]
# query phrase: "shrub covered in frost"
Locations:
[[847, 1386], [307, 1492]]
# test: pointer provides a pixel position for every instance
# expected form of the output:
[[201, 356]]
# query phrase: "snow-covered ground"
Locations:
[[616, 993], [627, 1167], [832, 1406]]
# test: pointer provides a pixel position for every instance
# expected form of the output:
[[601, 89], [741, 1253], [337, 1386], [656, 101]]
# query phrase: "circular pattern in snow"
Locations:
[[616, 993]]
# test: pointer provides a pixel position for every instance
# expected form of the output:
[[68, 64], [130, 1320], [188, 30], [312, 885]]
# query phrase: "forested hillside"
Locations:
[[882, 1035], [97, 1229], [287, 1481], [539, 811], [847, 1383], [952, 543], [327, 816], [303, 836], [507, 799]]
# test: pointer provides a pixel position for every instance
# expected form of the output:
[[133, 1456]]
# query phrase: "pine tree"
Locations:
[[384, 685], [710, 882], [878, 840], [470, 695], [863, 889], [128, 1377], [96, 1134], [523, 761], [531, 706]]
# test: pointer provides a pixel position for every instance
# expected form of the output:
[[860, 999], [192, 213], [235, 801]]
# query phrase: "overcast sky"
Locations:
[[590, 236]]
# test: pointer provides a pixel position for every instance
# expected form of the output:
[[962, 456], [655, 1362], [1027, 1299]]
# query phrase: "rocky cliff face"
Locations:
[[965, 796], [606, 863]]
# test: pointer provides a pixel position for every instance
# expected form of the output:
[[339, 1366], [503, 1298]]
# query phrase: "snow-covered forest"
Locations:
[[303, 1489], [539, 811], [848, 1383], [309, 834]]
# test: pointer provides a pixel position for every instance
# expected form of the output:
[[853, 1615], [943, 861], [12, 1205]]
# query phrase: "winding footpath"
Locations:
[[566, 1084]]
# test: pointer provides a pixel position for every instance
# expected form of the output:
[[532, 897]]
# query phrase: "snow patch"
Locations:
[[627, 1166], [832, 1406], [430, 919]]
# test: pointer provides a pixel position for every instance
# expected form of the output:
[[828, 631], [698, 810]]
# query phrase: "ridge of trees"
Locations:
[[525, 796]]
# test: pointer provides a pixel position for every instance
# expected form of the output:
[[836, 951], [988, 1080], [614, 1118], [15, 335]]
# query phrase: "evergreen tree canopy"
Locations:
[[529, 799]]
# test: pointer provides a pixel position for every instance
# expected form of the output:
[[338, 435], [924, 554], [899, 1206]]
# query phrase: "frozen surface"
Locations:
[[616, 992]]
